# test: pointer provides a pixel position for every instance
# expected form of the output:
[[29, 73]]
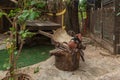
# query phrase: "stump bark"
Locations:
[[65, 58]]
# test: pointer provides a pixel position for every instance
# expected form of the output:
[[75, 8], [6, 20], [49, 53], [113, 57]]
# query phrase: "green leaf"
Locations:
[[28, 15], [23, 16], [33, 15], [15, 52], [2, 13], [14, 12], [25, 33], [21, 32], [7, 65], [40, 5], [33, 3], [12, 29]]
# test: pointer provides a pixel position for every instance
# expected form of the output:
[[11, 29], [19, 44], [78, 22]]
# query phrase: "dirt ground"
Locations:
[[99, 65]]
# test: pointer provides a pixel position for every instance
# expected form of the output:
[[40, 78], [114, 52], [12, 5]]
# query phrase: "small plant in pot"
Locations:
[[24, 10]]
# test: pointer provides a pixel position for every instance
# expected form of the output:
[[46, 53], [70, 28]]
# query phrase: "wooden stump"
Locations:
[[68, 62], [66, 59]]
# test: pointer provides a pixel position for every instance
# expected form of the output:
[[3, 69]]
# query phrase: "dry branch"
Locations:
[[46, 34]]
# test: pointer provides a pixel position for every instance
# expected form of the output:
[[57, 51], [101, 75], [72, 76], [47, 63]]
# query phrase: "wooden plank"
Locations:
[[42, 25], [117, 27]]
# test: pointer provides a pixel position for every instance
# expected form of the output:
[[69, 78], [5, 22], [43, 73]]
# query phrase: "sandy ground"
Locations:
[[98, 65]]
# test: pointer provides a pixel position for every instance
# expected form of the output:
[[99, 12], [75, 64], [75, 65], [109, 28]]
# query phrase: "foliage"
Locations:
[[28, 11], [35, 3], [13, 13], [2, 13], [82, 5], [28, 15], [6, 65], [25, 33]]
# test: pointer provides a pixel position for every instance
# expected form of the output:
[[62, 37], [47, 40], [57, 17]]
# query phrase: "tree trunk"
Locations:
[[71, 17], [66, 58]]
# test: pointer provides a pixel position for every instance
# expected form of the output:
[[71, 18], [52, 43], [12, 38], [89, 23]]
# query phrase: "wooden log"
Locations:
[[66, 59], [46, 34]]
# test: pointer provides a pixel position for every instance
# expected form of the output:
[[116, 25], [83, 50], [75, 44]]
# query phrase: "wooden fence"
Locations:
[[102, 23], [117, 24], [105, 26]]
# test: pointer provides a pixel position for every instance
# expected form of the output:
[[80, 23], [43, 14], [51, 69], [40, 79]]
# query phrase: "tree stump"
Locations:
[[66, 59]]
